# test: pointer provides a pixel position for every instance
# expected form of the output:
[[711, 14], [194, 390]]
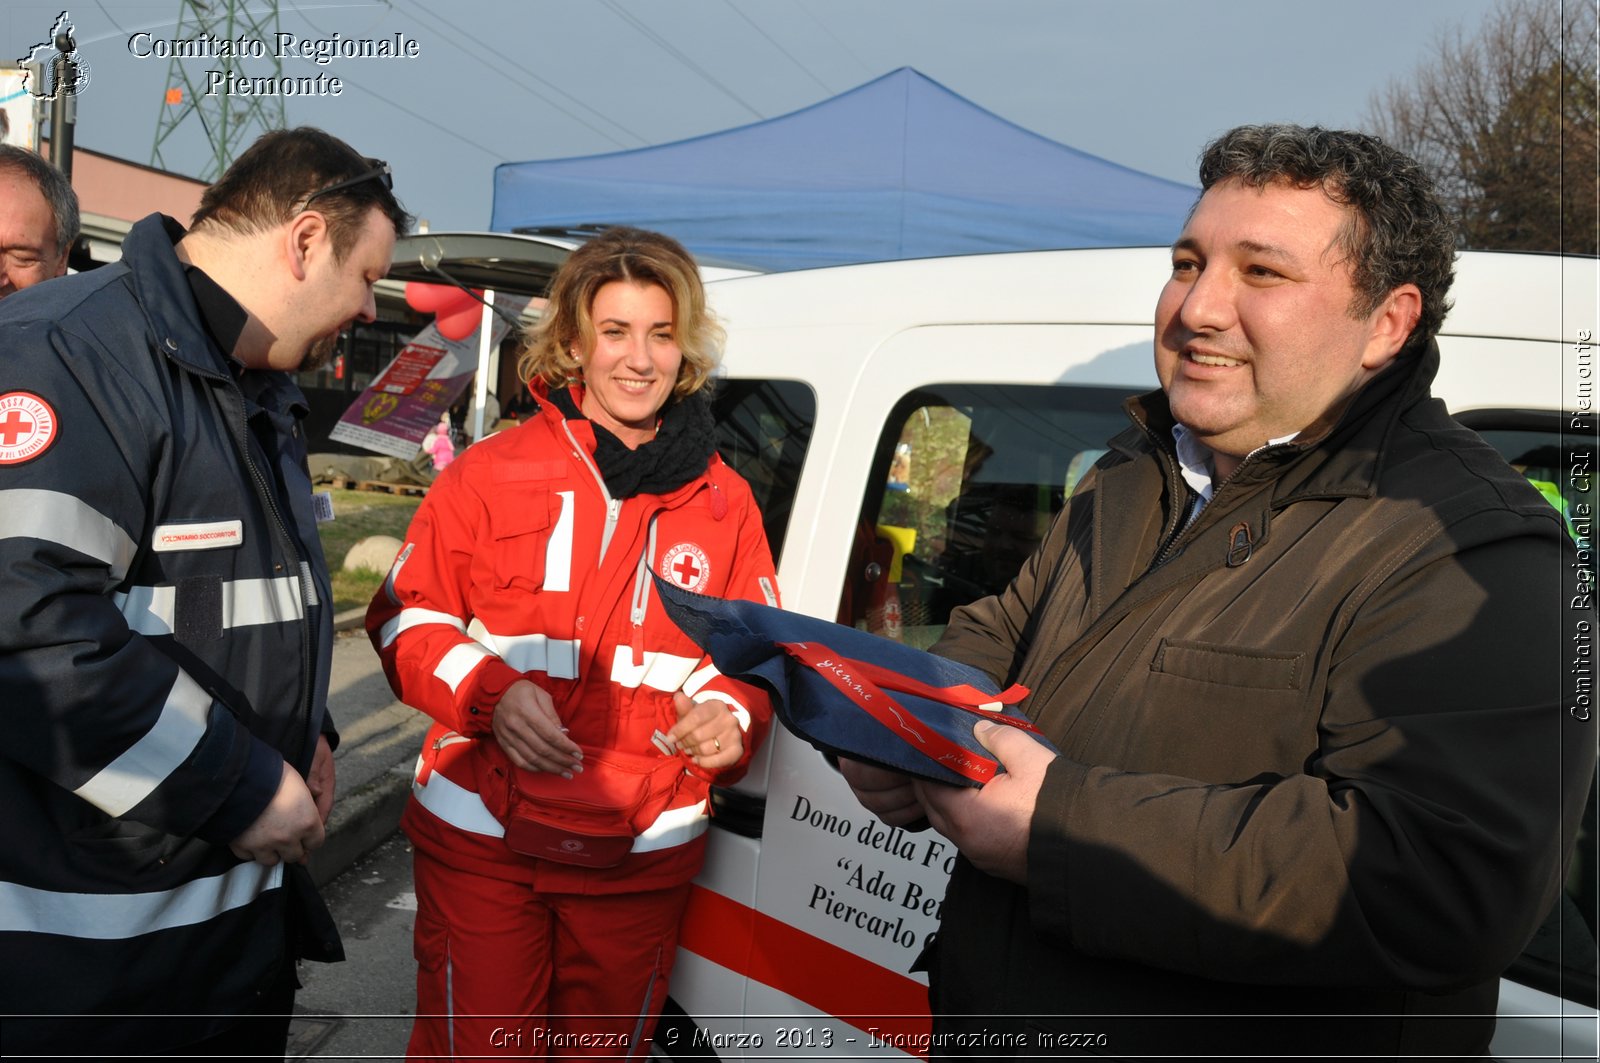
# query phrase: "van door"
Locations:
[[949, 450]]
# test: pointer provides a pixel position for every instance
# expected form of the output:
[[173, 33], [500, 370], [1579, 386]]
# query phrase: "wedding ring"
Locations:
[[718, 743]]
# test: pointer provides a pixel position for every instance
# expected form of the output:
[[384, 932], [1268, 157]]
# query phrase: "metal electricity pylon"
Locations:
[[229, 121]]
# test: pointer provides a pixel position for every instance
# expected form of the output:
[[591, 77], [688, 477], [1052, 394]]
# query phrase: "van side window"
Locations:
[[763, 432], [966, 480], [1561, 958]]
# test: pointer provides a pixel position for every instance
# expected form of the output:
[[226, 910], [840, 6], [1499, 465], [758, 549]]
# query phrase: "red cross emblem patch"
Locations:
[[686, 566], [27, 427]]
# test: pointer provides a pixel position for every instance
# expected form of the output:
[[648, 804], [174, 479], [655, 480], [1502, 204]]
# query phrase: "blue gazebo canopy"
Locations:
[[900, 167]]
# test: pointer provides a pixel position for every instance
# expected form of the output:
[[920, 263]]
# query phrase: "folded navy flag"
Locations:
[[851, 693]]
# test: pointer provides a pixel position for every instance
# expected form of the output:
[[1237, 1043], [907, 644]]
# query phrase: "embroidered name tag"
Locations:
[[212, 535]]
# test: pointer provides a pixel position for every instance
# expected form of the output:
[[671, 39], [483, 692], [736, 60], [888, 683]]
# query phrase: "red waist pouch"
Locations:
[[592, 818]]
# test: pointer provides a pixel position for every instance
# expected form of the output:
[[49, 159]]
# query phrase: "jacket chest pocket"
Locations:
[[1224, 713], [532, 531], [1230, 666]]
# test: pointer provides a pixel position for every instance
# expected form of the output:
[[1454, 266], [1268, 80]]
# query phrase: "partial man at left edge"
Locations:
[[165, 652], [39, 220]]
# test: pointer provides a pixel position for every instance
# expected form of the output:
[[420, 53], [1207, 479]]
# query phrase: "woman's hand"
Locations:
[[708, 731], [527, 727]]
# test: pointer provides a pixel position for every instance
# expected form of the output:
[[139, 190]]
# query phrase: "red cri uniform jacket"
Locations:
[[520, 565]]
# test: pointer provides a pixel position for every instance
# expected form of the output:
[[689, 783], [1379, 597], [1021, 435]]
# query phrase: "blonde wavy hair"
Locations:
[[637, 256]]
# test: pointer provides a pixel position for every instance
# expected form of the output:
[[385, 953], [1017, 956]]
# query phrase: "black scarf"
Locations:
[[681, 450]]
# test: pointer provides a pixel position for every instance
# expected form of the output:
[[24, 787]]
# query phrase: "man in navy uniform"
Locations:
[[168, 764]]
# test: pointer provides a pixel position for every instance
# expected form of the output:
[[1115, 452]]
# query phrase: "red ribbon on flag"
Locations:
[[866, 684]]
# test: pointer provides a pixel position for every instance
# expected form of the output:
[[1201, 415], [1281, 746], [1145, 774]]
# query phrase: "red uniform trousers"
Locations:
[[506, 970]]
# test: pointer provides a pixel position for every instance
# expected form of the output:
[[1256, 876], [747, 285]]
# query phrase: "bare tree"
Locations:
[[1506, 122]]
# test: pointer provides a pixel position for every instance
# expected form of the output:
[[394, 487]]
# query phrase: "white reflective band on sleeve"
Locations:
[[740, 713], [54, 517], [114, 917], [456, 805], [558, 554], [148, 610], [394, 574], [556, 658], [146, 764], [675, 826], [152, 610], [454, 667], [694, 686], [660, 671], [406, 619]]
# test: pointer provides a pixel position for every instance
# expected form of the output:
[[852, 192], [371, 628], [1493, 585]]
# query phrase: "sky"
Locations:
[[1143, 83]]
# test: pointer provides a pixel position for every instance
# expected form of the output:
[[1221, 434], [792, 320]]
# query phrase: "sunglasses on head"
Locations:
[[379, 172]]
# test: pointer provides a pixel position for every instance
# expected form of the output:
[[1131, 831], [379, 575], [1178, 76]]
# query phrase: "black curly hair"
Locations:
[[1398, 231]]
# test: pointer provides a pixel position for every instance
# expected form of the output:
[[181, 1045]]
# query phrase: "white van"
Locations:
[[857, 400]]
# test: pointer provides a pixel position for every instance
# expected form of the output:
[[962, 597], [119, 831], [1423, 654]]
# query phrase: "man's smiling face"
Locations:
[[1255, 339]]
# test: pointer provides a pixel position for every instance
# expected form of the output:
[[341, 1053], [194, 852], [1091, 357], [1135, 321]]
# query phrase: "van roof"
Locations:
[[1496, 294]]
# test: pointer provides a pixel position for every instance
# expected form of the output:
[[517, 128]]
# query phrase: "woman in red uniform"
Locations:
[[560, 803]]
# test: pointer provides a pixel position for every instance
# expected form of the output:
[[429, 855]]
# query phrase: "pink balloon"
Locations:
[[457, 323], [429, 298], [455, 312]]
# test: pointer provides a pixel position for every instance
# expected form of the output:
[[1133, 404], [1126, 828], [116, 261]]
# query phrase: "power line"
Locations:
[[667, 47], [421, 118], [348, 83], [824, 27], [109, 19], [301, 11], [511, 63], [803, 68]]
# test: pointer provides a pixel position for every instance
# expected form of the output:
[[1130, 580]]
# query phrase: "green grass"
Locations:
[[356, 515]]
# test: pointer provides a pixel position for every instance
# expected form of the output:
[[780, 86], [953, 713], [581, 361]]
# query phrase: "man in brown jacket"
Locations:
[[1296, 638]]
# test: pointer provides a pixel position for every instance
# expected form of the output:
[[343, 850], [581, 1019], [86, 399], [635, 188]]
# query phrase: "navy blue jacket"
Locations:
[[164, 649]]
